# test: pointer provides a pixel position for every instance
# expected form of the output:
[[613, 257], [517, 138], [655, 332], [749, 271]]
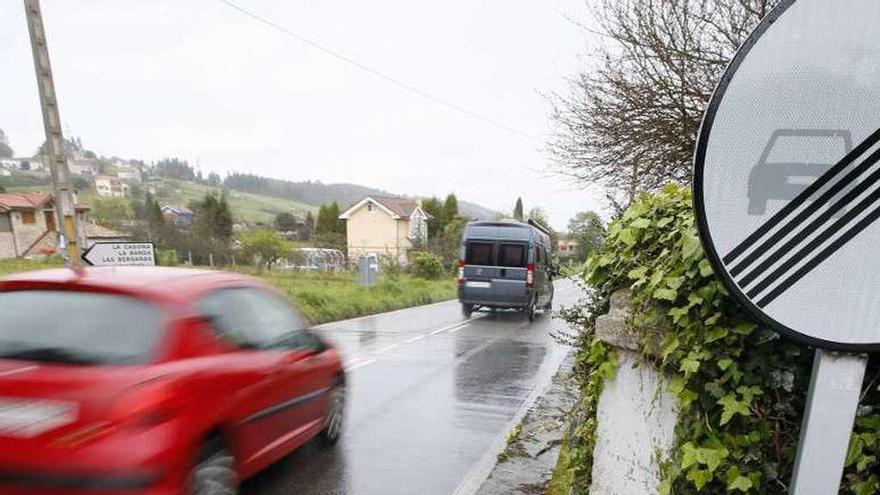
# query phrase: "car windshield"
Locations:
[[77, 327]]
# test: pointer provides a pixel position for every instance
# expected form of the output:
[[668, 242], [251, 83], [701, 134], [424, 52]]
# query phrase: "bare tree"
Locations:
[[630, 122]]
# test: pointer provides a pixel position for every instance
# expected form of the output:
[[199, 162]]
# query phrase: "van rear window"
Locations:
[[479, 253], [512, 255]]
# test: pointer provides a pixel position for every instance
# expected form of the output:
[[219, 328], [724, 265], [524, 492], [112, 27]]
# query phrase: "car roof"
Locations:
[[165, 284]]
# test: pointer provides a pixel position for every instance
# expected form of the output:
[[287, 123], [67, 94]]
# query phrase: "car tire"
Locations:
[[335, 418], [467, 310], [549, 307], [532, 311], [214, 473]]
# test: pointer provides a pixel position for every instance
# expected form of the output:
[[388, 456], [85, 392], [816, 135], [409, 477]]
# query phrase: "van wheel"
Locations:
[[549, 307], [532, 311], [467, 310]]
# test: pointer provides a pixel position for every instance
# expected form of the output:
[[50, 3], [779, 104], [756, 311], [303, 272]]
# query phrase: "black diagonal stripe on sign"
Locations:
[[804, 232], [798, 219], [811, 246], [822, 256], [803, 196]]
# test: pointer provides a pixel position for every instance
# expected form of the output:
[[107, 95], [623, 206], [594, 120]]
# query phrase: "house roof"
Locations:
[[29, 201], [396, 207], [95, 231], [178, 210]]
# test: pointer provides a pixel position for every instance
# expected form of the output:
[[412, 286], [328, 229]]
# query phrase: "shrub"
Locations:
[[741, 388], [427, 266]]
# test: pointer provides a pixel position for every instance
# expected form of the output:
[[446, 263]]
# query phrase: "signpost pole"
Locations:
[[833, 397]]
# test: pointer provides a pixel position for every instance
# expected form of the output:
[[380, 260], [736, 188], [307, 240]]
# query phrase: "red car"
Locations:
[[155, 381]]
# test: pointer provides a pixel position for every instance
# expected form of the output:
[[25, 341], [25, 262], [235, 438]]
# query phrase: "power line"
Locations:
[[381, 75]]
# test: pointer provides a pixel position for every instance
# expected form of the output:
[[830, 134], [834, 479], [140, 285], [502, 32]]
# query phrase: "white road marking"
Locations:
[[414, 339], [360, 365], [385, 349]]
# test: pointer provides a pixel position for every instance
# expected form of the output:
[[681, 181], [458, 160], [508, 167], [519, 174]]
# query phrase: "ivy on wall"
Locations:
[[741, 388]]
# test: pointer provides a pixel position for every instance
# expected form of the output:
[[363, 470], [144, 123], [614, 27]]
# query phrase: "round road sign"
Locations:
[[787, 173]]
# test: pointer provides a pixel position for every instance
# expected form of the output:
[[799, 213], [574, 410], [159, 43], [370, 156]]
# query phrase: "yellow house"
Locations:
[[387, 226]]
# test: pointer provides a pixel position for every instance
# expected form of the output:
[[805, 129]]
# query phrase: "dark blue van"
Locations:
[[505, 265]]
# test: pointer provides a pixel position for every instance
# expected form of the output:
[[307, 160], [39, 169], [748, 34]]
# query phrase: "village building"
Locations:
[[28, 224], [387, 226]]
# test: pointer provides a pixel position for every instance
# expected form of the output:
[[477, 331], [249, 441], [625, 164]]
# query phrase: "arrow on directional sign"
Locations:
[[120, 254]]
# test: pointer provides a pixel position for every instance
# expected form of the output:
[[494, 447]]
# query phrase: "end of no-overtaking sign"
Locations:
[[120, 254], [787, 198]]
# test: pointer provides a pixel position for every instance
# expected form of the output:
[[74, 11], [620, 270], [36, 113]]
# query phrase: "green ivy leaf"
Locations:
[[732, 406], [717, 333], [665, 294], [640, 223], [725, 363], [706, 268], [627, 236], [699, 477], [638, 273], [740, 483]]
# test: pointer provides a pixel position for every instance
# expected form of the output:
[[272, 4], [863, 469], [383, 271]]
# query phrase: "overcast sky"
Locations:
[[199, 80]]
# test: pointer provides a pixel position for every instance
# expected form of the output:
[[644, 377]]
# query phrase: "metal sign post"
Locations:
[[787, 198], [65, 207]]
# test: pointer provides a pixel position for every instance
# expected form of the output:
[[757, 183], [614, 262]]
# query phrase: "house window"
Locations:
[[28, 217], [369, 206], [5, 224]]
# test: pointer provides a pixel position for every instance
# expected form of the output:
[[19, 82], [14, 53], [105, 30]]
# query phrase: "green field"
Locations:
[[246, 207], [321, 297]]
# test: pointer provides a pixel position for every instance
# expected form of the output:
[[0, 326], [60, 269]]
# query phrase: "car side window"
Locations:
[[251, 317]]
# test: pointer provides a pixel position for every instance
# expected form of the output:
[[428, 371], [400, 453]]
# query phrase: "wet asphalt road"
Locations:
[[430, 394]]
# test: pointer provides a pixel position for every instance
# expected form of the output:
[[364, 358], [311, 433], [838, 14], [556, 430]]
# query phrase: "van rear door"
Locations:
[[495, 272]]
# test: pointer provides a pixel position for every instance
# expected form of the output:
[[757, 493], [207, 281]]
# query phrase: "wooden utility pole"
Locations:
[[65, 206]]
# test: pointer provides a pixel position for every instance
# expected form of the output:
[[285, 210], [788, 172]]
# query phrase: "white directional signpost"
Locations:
[[121, 254], [787, 197]]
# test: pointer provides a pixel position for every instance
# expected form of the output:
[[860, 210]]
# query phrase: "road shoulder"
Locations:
[[526, 465]]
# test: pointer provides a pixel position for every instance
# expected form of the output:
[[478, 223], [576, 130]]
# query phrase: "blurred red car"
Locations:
[[155, 381]]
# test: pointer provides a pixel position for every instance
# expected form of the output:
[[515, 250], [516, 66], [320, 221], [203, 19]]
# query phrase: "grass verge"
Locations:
[[321, 297]]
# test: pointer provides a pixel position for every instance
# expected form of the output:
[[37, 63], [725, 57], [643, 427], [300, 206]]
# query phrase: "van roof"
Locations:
[[503, 230]]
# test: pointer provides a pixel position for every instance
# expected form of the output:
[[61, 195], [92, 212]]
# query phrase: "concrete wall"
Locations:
[[377, 232], [636, 415]]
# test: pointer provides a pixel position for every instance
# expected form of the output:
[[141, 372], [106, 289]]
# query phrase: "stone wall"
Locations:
[[635, 416], [7, 245]]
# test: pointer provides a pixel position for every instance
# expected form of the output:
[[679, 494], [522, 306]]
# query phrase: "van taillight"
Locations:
[[460, 272], [530, 275]]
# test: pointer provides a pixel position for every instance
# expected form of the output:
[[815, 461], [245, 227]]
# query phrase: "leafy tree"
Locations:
[[451, 238], [81, 183], [175, 169], [214, 179], [111, 211], [286, 222], [5, 150], [450, 209], [329, 228], [434, 208], [264, 245], [308, 229], [630, 122], [518, 210], [587, 229]]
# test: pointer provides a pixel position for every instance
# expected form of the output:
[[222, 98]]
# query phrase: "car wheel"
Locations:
[[214, 474], [335, 418], [549, 307], [467, 310]]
